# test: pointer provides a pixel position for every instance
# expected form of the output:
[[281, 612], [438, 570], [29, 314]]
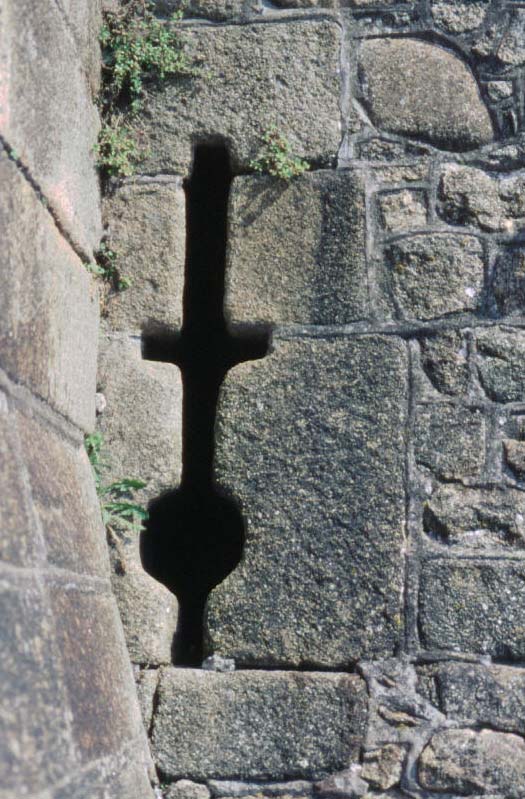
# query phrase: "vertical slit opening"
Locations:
[[195, 535]]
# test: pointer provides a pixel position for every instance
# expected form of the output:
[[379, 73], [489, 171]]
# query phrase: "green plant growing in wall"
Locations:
[[106, 266], [117, 498], [276, 158], [137, 49]]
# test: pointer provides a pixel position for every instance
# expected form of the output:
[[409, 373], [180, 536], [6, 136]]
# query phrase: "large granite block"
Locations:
[[473, 606], [310, 442], [500, 362], [435, 274], [47, 114], [253, 725], [97, 672], [64, 499], [46, 346], [252, 77], [142, 420], [297, 253], [450, 440], [483, 695], [85, 19], [20, 543], [419, 89], [36, 748], [146, 228], [142, 429]]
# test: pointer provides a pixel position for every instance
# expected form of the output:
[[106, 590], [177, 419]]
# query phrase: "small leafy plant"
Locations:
[[106, 267], [137, 49], [116, 499], [276, 158]]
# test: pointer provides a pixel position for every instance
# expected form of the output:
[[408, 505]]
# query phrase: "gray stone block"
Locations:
[[511, 50], [119, 777], [36, 747], [501, 363], [514, 452], [508, 282], [146, 681], [20, 543], [474, 762], [458, 16], [230, 788], [450, 440], [421, 90], [97, 673], [402, 210], [48, 117], [64, 499], [444, 357], [297, 252], [470, 196], [142, 421], [85, 19], [310, 441], [482, 695], [475, 518], [253, 76], [186, 789], [48, 348], [146, 227], [436, 274], [149, 612], [257, 725], [473, 606]]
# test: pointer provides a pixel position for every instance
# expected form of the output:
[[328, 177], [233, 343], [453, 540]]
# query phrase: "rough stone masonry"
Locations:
[[371, 640]]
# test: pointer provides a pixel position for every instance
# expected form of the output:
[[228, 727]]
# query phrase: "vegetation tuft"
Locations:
[[119, 509], [276, 158], [137, 49]]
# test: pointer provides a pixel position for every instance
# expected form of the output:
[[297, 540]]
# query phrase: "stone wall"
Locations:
[[69, 720], [370, 641]]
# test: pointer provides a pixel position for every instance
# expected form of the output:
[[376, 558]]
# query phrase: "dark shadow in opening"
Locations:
[[194, 537]]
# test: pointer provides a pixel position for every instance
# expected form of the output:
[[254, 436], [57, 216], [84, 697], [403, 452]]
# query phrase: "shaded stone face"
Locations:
[[297, 252], [310, 441], [276, 725], [290, 78]]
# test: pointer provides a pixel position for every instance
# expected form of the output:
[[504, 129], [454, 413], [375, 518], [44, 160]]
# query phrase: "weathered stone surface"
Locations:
[[63, 499], [492, 696], [515, 457], [290, 78], [142, 421], [48, 348], [382, 768], [470, 196], [346, 784], [501, 363], [20, 542], [402, 210], [444, 357], [43, 97], [146, 228], [459, 16], [35, 741], [511, 49], [119, 777], [85, 19], [509, 281], [473, 606], [240, 789], [421, 90], [436, 274], [146, 681], [450, 440], [186, 789], [257, 725], [476, 519], [149, 612], [297, 252], [474, 762], [310, 440], [97, 673], [219, 10]]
